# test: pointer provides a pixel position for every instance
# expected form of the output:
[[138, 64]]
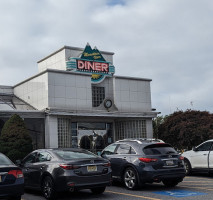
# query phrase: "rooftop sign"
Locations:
[[92, 62]]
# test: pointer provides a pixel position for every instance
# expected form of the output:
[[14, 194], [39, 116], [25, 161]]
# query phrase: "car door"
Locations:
[[199, 157], [122, 154], [38, 167], [109, 153], [26, 166]]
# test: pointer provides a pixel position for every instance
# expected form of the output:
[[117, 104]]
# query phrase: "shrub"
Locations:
[[15, 140]]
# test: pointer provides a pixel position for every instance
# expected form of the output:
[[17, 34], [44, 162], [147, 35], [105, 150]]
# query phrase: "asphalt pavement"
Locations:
[[193, 187]]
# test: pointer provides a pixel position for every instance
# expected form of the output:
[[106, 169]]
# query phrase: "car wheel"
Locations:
[[170, 183], [48, 188], [98, 190], [130, 178], [188, 167]]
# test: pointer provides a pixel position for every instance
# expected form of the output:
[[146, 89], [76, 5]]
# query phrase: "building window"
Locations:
[[98, 95], [130, 129], [64, 133]]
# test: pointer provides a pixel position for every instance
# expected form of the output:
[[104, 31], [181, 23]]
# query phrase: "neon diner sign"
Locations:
[[92, 62]]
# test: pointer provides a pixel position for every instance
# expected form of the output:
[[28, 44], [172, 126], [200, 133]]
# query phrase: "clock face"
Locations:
[[108, 103]]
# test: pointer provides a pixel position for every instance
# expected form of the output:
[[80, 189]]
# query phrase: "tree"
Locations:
[[186, 129], [156, 124], [15, 140]]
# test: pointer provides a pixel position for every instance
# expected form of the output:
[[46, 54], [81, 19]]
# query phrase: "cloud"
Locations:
[[167, 41]]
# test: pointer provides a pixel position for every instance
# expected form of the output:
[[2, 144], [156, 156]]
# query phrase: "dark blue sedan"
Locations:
[[11, 179]]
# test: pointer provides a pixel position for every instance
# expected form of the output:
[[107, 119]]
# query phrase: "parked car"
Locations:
[[200, 158], [11, 179], [139, 161], [57, 170]]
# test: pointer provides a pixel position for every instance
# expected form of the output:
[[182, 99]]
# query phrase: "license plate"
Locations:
[[92, 168], [169, 162], [0, 179]]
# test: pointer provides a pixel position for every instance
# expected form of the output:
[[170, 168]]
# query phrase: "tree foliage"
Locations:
[[15, 140], [186, 129], [156, 124]]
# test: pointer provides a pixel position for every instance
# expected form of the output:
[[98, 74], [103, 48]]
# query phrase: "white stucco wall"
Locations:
[[51, 132], [68, 90], [56, 61], [34, 91], [132, 95]]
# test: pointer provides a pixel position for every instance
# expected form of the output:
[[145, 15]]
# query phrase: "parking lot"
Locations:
[[193, 187]]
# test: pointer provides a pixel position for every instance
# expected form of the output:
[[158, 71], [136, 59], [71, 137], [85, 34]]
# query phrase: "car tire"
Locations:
[[98, 190], [188, 167], [130, 178], [48, 188], [170, 183]]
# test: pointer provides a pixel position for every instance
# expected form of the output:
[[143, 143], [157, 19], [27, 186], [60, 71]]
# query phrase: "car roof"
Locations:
[[141, 140]]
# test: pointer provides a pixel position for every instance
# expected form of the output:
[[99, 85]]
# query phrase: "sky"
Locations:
[[168, 41]]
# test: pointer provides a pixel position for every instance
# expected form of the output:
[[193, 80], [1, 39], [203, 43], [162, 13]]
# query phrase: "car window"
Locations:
[[43, 156], [67, 155], [30, 158], [109, 150], [156, 149], [204, 147], [4, 160], [123, 149]]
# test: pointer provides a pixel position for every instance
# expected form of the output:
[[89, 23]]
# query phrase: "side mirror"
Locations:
[[194, 149], [103, 155]]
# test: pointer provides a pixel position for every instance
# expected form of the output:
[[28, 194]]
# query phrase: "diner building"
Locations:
[[76, 100]]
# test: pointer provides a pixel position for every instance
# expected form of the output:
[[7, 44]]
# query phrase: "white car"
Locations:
[[200, 158]]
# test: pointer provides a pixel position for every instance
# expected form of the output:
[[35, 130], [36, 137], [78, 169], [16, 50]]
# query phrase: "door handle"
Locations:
[[204, 154], [124, 158]]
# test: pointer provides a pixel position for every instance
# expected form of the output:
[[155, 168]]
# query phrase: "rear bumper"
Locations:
[[65, 183], [160, 175], [16, 189]]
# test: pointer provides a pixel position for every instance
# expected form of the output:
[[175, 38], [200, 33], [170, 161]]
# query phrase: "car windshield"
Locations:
[[67, 155], [4, 160], [156, 149]]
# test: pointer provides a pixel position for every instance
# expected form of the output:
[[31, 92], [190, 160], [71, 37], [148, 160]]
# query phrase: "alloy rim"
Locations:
[[129, 179], [186, 167], [47, 188]]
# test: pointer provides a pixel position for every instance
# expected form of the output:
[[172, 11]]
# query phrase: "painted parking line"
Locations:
[[202, 188], [132, 195]]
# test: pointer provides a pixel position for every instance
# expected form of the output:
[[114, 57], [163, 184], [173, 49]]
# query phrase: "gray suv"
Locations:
[[139, 161]]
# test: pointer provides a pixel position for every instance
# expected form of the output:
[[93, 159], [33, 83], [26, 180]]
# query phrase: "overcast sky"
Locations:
[[168, 41]]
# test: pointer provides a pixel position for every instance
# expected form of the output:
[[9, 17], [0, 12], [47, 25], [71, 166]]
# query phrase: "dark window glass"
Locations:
[[91, 126], [67, 155], [30, 158], [204, 147], [109, 150], [4, 160], [156, 149], [98, 95], [74, 125], [123, 149]]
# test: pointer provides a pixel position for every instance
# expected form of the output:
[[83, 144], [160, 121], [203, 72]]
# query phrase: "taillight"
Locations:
[[16, 173], [68, 166], [181, 158], [148, 160], [107, 164]]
